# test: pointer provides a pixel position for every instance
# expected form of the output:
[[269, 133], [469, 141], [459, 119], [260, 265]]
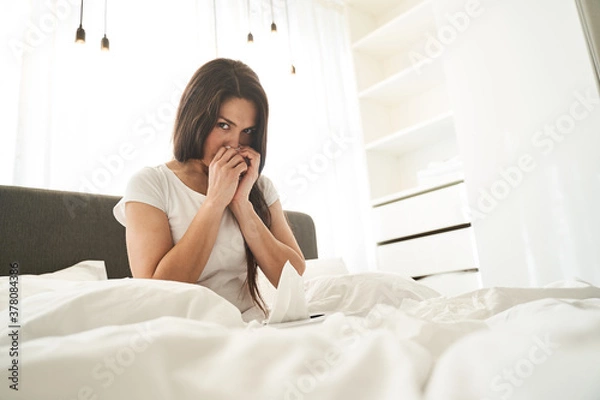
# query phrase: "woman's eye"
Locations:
[[249, 131], [223, 125]]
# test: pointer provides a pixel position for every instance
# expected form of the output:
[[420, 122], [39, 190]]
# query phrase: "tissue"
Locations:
[[290, 302]]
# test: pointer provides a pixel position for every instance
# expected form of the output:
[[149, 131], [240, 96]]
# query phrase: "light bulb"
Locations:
[[104, 44], [80, 35]]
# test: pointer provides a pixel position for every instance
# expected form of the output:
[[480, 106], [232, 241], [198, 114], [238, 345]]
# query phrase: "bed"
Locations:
[[84, 329]]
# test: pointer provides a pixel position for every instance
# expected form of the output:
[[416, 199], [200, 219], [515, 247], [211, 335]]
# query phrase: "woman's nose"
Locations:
[[233, 140]]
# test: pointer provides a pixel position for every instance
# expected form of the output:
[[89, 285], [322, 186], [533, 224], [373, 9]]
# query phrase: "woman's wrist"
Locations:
[[240, 206], [213, 205]]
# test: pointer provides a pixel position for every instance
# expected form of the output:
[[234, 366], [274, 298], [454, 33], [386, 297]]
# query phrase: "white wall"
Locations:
[[527, 114]]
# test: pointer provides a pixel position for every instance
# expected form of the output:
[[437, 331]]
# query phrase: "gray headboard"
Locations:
[[47, 230]]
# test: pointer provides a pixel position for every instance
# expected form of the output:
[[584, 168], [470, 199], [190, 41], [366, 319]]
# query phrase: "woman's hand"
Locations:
[[224, 174], [252, 159]]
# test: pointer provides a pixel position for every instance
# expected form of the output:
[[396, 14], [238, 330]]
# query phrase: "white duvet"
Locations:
[[385, 337]]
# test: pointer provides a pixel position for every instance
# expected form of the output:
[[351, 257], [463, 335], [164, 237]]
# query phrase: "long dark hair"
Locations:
[[214, 83]]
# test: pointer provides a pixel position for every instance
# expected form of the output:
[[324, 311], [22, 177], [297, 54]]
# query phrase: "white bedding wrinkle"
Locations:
[[385, 337], [90, 305], [548, 349], [485, 303]]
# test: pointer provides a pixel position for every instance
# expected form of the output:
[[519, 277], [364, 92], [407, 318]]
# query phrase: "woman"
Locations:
[[208, 216]]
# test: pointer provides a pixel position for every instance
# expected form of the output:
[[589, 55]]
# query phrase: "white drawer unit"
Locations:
[[427, 255], [425, 212]]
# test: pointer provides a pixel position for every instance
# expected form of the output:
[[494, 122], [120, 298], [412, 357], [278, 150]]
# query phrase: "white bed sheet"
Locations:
[[386, 337]]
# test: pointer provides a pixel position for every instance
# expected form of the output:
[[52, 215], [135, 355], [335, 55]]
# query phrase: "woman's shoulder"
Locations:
[[264, 180], [147, 185], [149, 175]]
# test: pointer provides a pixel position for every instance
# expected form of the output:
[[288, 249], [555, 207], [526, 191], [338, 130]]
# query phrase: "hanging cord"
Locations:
[[248, 10], [287, 21], [250, 38], [289, 34], [81, 14], [215, 23], [105, 13], [273, 25]]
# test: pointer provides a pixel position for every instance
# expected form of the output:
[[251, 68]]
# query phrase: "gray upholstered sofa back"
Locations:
[[47, 230]]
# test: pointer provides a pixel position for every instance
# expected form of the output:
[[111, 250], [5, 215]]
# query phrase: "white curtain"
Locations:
[[75, 118]]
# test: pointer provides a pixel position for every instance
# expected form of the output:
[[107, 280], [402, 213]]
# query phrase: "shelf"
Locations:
[[399, 33], [408, 126], [413, 192], [409, 82], [416, 136]]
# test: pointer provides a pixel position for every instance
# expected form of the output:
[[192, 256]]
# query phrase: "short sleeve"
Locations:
[[146, 186], [268, 189]]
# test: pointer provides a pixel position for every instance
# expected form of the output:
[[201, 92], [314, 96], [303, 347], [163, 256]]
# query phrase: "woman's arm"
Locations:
[[150, 247], [271, 248]]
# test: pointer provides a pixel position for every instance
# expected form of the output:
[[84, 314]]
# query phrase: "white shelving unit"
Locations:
[[408, 127]]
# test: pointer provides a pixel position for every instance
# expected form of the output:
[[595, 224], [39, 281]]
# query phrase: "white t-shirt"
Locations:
[[225, 272]]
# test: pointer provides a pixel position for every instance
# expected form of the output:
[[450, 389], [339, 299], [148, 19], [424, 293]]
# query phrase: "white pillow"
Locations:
[[358, 293], [324, 267], [84, 271], [89, 270]]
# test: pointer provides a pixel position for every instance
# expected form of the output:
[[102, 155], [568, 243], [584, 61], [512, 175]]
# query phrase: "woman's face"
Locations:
[[236, 126]]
